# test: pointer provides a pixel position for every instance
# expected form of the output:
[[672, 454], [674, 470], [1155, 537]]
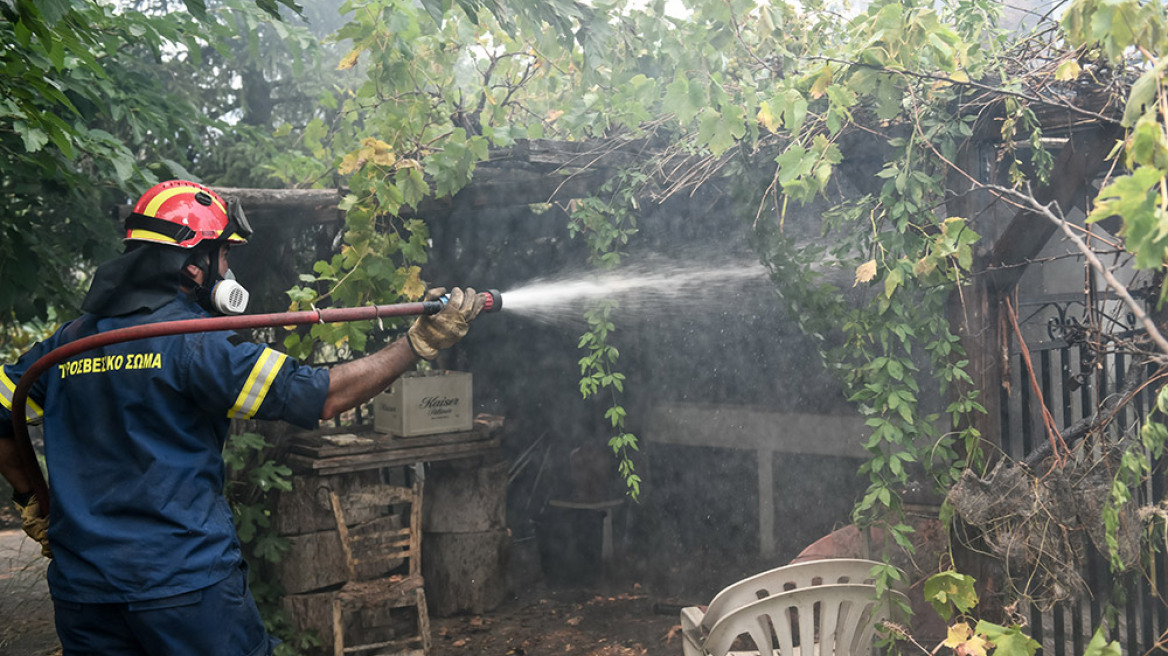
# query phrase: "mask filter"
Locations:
[[218, 295], [228, 296]]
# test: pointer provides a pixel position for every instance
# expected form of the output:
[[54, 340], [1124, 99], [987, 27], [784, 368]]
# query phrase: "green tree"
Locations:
[[99, 102]]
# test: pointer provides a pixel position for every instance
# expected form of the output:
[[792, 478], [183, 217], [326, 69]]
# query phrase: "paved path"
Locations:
[[27, 628]]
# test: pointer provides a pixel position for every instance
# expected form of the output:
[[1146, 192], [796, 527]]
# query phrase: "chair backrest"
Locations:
[[822, 620], [786, 578], [377, 546]]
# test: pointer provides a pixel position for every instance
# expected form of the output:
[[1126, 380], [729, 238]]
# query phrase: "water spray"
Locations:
[[654, 288], [493, 302]]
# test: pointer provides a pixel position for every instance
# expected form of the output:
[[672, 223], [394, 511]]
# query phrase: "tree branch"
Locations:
[[1120, 289], [979, 86]]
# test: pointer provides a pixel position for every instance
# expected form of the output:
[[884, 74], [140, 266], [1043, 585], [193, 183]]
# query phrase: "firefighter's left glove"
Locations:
[[34, 525], [432, 333]]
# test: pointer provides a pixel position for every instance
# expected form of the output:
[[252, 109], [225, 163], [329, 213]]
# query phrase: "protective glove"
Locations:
[[433, 332], [34, 525]]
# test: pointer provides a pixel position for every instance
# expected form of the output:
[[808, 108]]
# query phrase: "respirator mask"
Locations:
[[220, 294], [224, 296]]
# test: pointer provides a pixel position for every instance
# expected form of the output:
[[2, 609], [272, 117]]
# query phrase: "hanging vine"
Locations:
[[728, 87], [606, 228]]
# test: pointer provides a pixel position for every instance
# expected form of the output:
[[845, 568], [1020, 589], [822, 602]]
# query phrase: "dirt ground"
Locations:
[[605, 620], [27, 612], [569, 622]]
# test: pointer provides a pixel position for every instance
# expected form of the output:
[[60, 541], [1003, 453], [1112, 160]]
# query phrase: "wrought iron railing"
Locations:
[[1074, 377]]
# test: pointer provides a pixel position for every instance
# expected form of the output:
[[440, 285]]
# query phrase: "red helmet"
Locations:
[[184, 214]]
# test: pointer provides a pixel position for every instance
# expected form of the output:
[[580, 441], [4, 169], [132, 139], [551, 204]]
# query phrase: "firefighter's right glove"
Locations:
[[433, 332], [34, 525]]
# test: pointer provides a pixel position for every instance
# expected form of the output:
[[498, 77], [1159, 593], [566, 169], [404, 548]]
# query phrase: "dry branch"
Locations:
[[1120, 289]]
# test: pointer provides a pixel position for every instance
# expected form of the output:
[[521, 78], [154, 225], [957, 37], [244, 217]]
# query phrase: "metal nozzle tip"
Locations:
[[494, 301]]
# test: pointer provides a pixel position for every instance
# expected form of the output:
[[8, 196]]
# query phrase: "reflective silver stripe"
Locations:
[[259, 381], [32, 411]]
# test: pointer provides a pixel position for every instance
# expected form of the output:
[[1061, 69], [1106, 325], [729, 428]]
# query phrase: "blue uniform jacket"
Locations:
[[134, 434]]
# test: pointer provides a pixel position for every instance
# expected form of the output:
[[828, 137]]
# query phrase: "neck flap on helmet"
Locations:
[[145, 277]]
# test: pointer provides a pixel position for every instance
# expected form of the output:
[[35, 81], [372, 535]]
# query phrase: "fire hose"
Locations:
[[24, 448]]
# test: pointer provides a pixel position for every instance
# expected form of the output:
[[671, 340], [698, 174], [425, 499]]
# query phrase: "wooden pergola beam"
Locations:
[[528, 172]]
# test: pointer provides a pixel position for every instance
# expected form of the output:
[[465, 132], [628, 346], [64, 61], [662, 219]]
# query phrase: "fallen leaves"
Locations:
[[600, 599], [617, 622]]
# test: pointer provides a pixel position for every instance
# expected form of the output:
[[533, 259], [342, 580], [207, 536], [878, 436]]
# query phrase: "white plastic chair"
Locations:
[[697, 624], [822, 620]]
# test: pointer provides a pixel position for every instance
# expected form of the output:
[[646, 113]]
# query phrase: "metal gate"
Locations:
[[1072, 378]]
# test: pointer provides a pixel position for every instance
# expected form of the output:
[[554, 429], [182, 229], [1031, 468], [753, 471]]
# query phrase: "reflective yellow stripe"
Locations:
[[259, 381], [167, 194], [32, 411], [150, 235]]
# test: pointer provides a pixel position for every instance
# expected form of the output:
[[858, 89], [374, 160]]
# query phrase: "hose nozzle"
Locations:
[[492, 302]]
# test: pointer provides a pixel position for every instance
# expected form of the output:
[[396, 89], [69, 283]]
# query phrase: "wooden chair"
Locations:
[[696, 623], [383, 558]]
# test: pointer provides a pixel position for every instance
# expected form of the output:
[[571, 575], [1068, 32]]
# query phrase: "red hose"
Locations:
[[19, 396]]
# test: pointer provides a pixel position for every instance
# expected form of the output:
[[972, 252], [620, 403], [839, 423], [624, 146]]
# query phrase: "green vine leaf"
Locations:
[[1100, 647], [1008, 641], [948, 591]]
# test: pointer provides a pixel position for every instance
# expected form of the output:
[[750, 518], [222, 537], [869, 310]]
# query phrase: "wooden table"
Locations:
[[358, 448]]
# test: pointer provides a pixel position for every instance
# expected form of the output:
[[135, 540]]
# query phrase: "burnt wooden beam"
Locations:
[[529, 172], [285, 199], [1027, 233], [499, 187], [288, 207], [292, 206]]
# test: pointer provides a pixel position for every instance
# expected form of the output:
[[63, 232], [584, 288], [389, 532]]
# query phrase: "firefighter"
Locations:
[[145, 559]]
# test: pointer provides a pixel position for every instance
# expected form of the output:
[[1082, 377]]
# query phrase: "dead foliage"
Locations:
[[1040, 524]]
